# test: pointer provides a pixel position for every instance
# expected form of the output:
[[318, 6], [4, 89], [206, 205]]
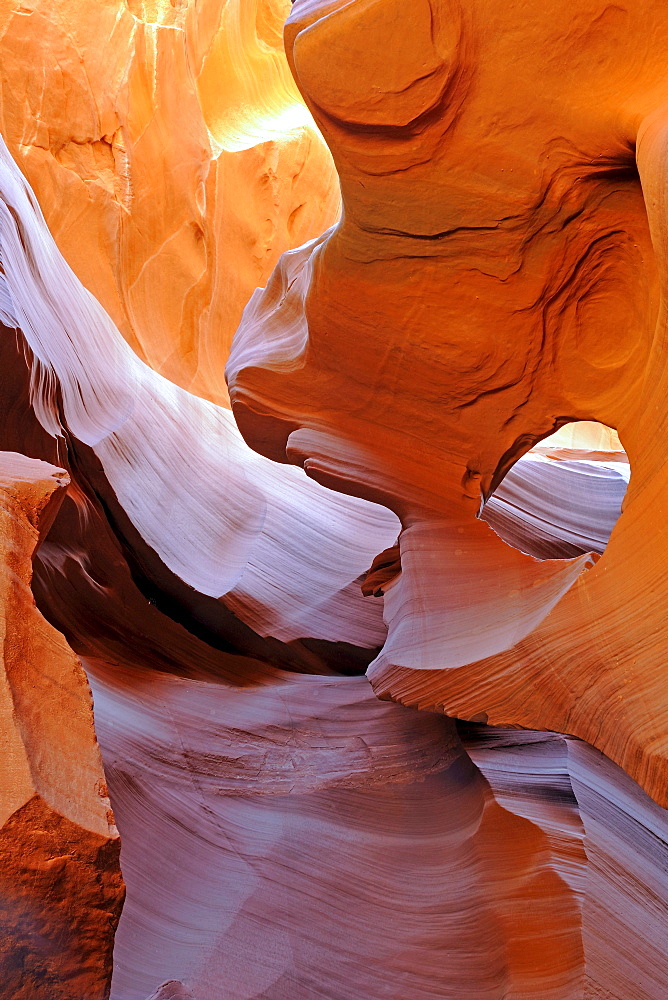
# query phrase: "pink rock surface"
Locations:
[[286, 834], [300, 838]]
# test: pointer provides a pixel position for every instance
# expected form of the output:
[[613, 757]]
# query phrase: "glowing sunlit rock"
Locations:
[[468, 365], [172, 156], [498, 272]]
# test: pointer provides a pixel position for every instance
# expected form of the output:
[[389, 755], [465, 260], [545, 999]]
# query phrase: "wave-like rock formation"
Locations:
[[205, 517], [506, 267], [558, 509], [301, 838], [171, 990], [60, 884], [585, 803], [453, 393], [233, 781]]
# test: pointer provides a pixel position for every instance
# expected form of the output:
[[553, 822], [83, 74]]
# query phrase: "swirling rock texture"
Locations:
[[501, 257], [406, 511]]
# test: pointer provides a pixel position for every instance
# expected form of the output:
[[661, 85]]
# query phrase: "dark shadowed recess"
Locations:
[[110, 594]]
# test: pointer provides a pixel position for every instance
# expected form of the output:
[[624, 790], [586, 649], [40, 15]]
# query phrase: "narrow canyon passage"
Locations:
[[333, 500]]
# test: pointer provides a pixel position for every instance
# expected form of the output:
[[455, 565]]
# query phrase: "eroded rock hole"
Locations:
[[564, 497]]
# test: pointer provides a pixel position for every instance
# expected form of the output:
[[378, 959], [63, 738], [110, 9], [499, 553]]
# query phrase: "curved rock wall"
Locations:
[[502, 247], [173, 158], [437, 385]]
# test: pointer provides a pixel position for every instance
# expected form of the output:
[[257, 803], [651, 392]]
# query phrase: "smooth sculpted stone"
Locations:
[[294, 835], [61, 890], [499, 271], [589, 804], [253, 554], [557, 509], [172, 156], [497, 274], [297, 838]]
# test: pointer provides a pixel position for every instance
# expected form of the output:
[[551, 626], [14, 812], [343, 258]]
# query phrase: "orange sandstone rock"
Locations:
[[172, 156], [498, 272], [60, 886], [494, 235]]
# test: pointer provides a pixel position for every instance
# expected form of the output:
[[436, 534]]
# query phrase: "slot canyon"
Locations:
[[333, 591]]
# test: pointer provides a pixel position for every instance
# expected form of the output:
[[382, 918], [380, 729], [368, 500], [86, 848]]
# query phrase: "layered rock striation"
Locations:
[[506, 269], [405, 507]]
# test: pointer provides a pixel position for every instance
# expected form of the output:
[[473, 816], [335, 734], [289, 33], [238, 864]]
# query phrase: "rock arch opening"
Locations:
[[564, 497]]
